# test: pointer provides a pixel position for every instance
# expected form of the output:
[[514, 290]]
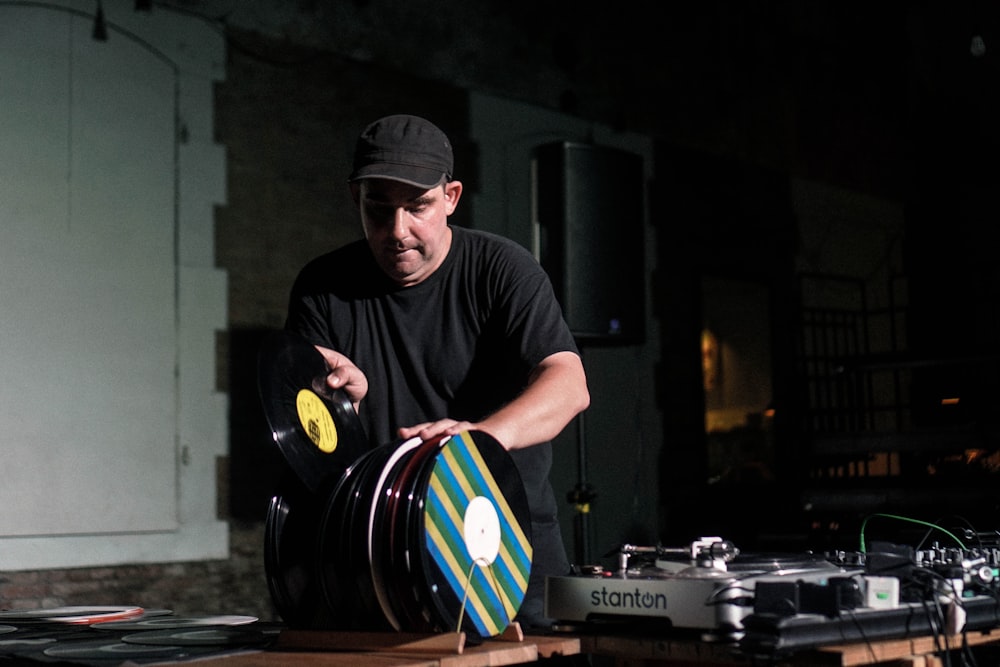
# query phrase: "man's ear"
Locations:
[[355, 192], [452, 193]]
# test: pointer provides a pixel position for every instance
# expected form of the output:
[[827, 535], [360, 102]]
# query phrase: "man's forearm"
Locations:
[[556, 393]]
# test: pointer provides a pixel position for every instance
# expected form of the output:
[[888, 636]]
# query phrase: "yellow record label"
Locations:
[[316, 420]]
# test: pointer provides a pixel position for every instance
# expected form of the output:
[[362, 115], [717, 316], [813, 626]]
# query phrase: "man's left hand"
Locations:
[[428, 430]]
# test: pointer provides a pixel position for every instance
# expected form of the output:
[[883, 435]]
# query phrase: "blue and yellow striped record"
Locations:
[[477, 535]]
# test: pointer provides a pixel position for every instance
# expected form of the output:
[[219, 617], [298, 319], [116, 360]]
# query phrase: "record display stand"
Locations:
[[407, 643]]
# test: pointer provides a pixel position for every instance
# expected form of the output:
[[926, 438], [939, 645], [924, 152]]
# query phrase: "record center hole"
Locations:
[[482, 531]]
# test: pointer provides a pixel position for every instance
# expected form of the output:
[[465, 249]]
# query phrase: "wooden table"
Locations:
[[308, 648], [912, 652]]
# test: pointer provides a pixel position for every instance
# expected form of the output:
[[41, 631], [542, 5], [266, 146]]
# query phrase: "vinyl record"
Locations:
[[403, 506], [291, 558], [75, 615], [379, 526], [339, 547], [333, 579], [208, 636], [772, 562], [111, 649], [420, 589], [476, 536], [25, 644], [358, 512], [315, 427], [174, 622], [420, 584]]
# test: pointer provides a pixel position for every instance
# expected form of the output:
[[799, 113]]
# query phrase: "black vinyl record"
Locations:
[[31, 640], [358, 524], [315, 427], [413, 540], [405, 585], [169, 622], [290, 556], [206, 636], [107, 649], [341, 551], [334, 581], [379, 530], [73, 615]]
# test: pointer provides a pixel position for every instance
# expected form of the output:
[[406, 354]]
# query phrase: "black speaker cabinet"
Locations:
[[588, 208]]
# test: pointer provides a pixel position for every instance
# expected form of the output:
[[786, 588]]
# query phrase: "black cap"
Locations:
[[403, 148]]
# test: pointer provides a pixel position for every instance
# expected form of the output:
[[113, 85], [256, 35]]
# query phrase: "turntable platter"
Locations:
[[772, 562]]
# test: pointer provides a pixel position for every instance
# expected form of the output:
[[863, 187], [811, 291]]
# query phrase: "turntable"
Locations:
[[707, 587]]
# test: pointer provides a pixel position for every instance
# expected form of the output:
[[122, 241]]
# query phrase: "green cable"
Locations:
[[903, 518]]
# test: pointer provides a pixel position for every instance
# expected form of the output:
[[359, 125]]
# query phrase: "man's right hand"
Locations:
[[344, 375]]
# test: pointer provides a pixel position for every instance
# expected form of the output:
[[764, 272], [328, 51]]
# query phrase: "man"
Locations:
[[432, 329]]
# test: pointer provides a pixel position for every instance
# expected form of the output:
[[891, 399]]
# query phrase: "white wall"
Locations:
[[109, 422]]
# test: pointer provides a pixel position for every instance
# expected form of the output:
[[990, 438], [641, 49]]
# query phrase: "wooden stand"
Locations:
[[371, 642], [385, 642]]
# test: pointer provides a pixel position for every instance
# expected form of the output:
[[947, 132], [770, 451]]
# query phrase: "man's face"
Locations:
[[406, 226]]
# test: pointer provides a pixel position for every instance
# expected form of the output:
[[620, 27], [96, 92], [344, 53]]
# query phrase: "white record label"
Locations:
[[482, 531]]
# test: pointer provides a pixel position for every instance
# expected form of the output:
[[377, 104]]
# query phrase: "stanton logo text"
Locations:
[[628, 600]]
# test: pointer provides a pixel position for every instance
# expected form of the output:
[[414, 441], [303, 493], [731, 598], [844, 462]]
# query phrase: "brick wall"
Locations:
[[224, 587]]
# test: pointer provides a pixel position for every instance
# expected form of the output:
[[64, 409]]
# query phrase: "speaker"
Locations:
[[588, 206]]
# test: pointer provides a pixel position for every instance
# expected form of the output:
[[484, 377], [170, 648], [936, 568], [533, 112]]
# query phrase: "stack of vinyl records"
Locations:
[[128, 634], [416, 536]]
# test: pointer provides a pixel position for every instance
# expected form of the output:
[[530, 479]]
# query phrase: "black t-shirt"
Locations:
[[459, 344]]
